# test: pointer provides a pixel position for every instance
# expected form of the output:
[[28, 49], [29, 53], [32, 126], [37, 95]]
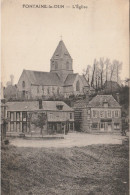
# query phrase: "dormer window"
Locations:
[[23, 84], [105, 104], [59, 106]]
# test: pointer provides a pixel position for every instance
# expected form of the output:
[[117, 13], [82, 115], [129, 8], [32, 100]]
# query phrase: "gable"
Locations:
[[70, 79], [24, 77], [100, 99], [61, 51]]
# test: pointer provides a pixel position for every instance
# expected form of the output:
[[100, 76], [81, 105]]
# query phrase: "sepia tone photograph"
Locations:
[[65, 97]]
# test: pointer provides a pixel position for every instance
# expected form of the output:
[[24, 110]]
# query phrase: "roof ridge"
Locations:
[[38, 71]]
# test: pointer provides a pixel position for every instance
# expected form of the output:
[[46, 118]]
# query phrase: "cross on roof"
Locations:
[[61, 37]]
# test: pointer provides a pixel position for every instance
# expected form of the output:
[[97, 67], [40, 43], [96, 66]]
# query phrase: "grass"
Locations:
[[90, 170]]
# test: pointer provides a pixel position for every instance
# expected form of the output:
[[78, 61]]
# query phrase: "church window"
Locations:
[[67, 65], [23, 83], [56, 65], [77, 86]]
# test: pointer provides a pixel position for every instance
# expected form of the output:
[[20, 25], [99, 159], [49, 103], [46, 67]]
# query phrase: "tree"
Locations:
[[39, 120], [93, 73], [103, 70], [87, 73]]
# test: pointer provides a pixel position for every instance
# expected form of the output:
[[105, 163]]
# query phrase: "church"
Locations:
[[60, 81]]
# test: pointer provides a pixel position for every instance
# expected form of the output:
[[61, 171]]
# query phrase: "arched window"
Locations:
[[23, 83], [67, 65], [77, 86], [56, 65]]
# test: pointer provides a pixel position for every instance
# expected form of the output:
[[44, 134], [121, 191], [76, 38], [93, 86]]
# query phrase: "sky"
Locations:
[[31, 35]]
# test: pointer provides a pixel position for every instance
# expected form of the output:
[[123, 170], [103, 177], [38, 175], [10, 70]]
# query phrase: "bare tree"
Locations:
[[87, 73], [107, 64], [101, 70], [93, 73]]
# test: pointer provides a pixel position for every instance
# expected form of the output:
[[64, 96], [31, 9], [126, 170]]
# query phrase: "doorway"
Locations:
[[102, 127]]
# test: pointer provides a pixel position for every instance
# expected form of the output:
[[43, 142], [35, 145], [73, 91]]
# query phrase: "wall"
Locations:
[[81, 86], [39, 91], [88, 119], [27, 82]]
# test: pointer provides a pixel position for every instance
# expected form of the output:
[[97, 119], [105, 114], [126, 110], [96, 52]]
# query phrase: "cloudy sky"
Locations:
[[30, 35]]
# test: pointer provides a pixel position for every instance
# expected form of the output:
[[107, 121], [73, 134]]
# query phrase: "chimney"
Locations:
[[40, 104]]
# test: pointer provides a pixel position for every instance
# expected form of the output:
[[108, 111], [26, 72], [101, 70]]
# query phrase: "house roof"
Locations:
[[111, 84], [43, 78], [34, 105], [70, 79], [99, 99], [61, 51]]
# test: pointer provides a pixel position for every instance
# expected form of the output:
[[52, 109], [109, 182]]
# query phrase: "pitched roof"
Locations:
[[70, 79], [61, 51], [108, 85], [43, 78], [99, 99], [85, 83], [34, 105]]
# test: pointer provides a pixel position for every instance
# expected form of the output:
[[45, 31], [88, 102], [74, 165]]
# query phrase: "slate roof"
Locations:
[[43, 78], [61, 51], [34, 105], [111, 85], [70, 79], [99, 99], [85, 83]]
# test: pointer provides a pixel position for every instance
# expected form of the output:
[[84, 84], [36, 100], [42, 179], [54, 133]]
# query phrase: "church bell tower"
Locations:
[[61, 61]]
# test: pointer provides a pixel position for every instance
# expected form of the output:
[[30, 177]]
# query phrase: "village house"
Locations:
[[59, 81], [21, 114], [101, 114]]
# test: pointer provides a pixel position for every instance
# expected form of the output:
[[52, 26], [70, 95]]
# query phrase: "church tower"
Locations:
[[61, 61]]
